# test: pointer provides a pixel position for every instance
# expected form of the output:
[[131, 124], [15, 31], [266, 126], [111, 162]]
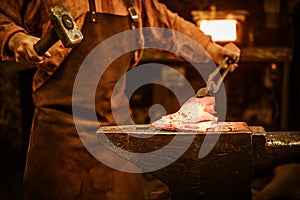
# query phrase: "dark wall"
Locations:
[[16, 111], [257, 19], [295, 72]]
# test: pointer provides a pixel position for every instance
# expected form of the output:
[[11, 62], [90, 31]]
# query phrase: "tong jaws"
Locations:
[[211, 86]]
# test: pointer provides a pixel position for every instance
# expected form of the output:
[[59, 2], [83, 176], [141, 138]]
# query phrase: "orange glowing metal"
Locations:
[[220, 30]]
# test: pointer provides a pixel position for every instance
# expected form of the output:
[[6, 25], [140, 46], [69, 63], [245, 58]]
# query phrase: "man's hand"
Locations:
[[218, 53], [23, 47]]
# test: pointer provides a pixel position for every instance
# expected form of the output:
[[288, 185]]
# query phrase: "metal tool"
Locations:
[[211, 86], [64, 29]]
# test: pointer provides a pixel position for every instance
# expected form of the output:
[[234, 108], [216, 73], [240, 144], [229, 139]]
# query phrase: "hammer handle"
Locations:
[[48, 40]]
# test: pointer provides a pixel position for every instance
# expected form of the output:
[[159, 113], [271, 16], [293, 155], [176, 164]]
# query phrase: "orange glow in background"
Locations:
[[220, 30]]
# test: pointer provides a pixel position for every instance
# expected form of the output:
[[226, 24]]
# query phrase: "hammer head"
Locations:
[[65, 26]]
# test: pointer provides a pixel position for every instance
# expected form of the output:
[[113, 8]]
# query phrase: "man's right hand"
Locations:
[[23, 47]]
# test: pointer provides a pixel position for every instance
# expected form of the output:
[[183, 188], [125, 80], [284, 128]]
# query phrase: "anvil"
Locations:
[[239, 154]]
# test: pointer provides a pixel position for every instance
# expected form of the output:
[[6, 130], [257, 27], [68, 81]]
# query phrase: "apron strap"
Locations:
[[132, 12], [93, 11]]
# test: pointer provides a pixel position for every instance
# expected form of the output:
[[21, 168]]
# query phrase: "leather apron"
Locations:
[[58, 164]]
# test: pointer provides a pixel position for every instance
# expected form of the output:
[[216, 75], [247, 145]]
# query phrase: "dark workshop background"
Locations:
[[263, 91]]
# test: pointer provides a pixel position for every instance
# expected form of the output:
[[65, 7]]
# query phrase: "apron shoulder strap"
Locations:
[[92, 11]]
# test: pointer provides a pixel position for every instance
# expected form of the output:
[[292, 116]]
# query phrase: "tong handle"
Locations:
[[212, 86]]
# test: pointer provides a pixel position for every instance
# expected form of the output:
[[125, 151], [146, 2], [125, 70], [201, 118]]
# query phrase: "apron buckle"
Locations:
[[134, 17]]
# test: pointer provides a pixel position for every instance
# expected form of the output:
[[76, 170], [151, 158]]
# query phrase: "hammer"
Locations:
[[64, 29]]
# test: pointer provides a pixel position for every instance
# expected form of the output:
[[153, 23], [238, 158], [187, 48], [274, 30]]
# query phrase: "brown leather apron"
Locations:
[[58, 164]]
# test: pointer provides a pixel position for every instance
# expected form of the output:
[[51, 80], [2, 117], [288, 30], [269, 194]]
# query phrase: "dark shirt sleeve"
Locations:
[[10, 23]]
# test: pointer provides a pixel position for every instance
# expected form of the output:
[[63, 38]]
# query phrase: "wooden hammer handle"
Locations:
[[48, 40]]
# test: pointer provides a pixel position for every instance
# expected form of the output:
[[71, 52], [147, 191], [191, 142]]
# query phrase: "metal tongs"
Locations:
[[211, 86]]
